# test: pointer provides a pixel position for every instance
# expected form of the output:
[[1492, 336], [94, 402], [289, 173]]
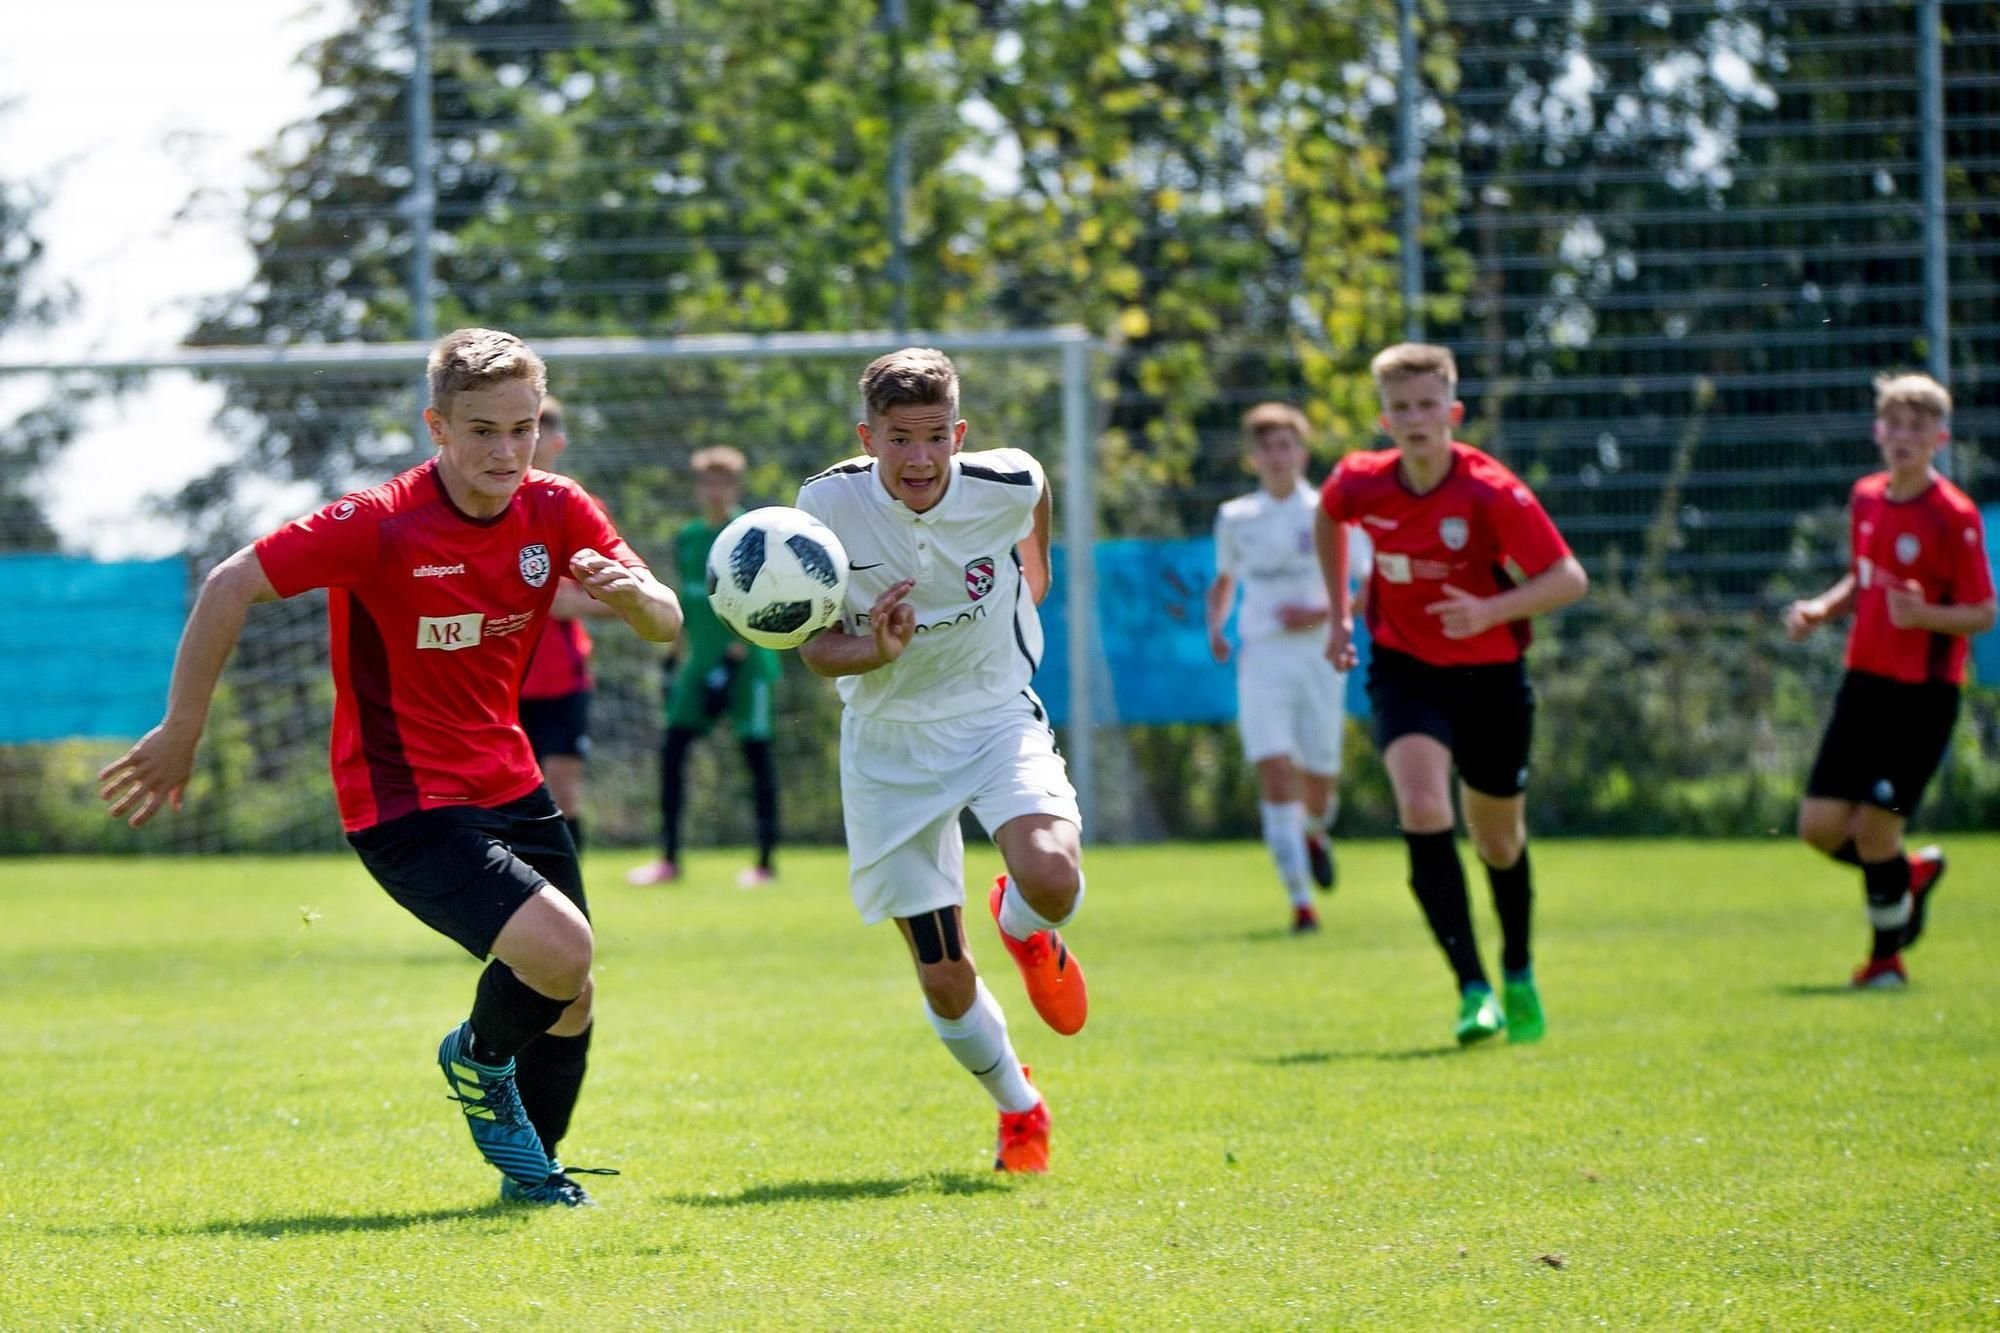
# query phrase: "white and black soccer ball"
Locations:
[[777, 576]]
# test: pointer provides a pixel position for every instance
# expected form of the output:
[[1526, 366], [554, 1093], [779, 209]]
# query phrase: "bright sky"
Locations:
[[124, 111]]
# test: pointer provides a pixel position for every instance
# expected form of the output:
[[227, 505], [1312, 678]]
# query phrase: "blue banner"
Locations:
[[86, 648], [1155, 665], [1986, 648]]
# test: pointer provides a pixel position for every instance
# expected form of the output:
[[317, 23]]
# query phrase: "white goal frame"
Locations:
[[1072, 345]]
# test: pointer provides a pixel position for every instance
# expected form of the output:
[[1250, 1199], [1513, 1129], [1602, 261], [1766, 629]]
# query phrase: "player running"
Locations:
[[1464, 556], [1291, 705], [1919, 585], [438, 583], [949, 555]]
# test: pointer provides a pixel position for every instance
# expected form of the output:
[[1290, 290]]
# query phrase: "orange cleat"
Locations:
[[1024, 1141], [1051, 973]]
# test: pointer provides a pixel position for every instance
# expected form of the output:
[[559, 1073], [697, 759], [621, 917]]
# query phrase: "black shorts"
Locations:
[[1885, 740], [463, 870], [558, 726], [1485, 715]]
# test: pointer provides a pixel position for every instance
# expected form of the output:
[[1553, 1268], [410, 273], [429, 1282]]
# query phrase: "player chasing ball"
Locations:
[[949, 556], [439, 582], [1291, 705], [1464, 556], [1919, 586]]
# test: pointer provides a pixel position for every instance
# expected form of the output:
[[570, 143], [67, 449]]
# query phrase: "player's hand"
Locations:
[[1802, 618], [1463, 614], [1218, 647], [1294, 617], [606, 580], [893, 621], [150, 774], [1906, 604], [1340, 645]]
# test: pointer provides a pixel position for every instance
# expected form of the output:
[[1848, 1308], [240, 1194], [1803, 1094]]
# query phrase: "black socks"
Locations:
[[1438, 880], [507, 1014]]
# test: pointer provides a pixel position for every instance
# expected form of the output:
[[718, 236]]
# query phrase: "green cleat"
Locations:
[[1479, 1015], [1524, 1008]]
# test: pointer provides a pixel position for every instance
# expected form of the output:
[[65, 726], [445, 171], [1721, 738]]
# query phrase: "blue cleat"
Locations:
[[558, 1189], [492, 1105]]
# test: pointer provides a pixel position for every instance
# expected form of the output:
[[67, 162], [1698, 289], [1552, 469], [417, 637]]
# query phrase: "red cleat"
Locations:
[[1881, 974], [1051, 973], [1305, 921], [1927, 866], [1024, 1141]]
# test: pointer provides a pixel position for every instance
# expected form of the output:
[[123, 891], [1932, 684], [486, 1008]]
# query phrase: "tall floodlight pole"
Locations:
[[1409, 154], [894, 20], [1937, 292]]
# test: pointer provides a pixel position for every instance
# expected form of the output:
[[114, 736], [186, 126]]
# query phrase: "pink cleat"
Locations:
[[653, 872]]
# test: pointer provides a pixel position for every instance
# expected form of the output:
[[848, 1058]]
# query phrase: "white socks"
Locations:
[[1020, 920], [1285, 835], [978, 1040], [1326, 820]]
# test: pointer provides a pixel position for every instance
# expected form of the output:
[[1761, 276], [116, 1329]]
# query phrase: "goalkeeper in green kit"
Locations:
[[719, 675]]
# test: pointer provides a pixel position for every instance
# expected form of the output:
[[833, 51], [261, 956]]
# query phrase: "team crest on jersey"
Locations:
[[979, 577], [535, 565], [1452, 532], [1906, 548]]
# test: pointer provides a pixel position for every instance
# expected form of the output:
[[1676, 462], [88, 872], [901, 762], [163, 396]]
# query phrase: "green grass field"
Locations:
[[221, 1109]]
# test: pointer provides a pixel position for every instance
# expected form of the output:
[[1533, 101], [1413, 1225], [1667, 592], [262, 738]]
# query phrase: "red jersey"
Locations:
[[1479, 529], [432, 615], [1936, 540], [561, 662]]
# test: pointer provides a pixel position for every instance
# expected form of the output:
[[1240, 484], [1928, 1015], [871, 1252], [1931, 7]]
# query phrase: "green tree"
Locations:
[[28, 302]]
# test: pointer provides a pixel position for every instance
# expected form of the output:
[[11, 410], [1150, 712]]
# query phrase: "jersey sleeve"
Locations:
[[1020, 460], [1526, 533], [333, 547], [585, 524], [1972, 576], [1227, 563], [1333, 495]]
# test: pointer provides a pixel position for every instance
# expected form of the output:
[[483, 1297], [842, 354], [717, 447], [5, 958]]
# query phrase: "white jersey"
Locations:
[[979, 636], [1266, 544]]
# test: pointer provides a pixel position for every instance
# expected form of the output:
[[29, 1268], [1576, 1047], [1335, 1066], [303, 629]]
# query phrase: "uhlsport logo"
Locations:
[[535, 565], [436, 571], [1452, 532], [342, 510], [449, 633], [979, 577]]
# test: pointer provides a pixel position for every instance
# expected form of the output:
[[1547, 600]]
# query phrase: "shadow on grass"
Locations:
[[1330, 1057], [271, 1228], [843, 1191], [1822, 988]]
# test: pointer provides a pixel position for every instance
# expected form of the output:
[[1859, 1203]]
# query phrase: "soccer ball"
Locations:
[[777, 576]]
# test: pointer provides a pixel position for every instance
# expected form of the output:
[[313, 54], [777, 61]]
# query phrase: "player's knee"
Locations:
[[949, 985], [577, 1017], [564, 959], [1500, 848], [1049, 880], [1820, 829]]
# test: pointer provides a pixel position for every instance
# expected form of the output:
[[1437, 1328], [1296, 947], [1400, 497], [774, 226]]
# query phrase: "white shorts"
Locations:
[[1291, 702], [903, 784]]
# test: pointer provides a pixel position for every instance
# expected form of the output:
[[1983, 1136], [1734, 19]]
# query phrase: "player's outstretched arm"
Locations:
[[573, 603], [1330, 545], [892, 623], [640, 600], [1809, 613], [155, 770]]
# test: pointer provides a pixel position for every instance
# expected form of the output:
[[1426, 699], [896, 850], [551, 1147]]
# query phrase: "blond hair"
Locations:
[[913, 377], [718, 458], [1408, 360], [478, 359], [1274, 416], [1916, 391]]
